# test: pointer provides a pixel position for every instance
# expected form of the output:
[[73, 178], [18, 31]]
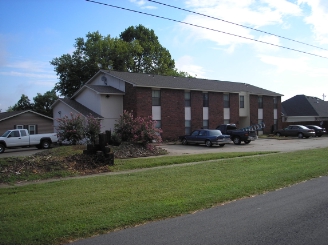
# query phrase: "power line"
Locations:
[[233, 23], [207, 28]]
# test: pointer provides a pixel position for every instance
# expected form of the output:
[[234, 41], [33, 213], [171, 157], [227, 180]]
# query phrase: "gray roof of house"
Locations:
[[78, 107], [100, 89], [104, 89], [7, 115], [171, 82], [302, 105]]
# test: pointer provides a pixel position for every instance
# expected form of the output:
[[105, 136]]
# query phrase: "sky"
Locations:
[[33, 32]]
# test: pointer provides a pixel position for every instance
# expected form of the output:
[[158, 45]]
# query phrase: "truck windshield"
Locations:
[[5, 134]]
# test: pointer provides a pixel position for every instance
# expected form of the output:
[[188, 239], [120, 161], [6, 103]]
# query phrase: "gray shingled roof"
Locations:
[[160, 81], [301, 105], [7, 115], [78, 107], [103, 89]]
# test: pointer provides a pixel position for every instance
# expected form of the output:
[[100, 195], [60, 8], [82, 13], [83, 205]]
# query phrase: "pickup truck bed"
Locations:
[[238, 135]]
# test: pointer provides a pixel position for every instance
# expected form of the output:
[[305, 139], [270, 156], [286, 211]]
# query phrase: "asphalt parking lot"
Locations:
[[261, 144]]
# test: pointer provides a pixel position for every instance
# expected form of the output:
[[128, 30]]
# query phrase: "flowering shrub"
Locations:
[[71, 129], [92, 129], [137, 130], [77, 127]]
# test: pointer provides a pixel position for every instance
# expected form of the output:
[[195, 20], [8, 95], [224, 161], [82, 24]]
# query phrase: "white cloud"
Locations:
[[143, 4], [186, 64], [252, 13], [318, 18], [295, 65]]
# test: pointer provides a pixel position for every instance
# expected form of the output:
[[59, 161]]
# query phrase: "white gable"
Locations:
[[104, 79]]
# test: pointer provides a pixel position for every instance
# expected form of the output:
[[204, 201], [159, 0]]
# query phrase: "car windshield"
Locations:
[[214, 132], [5, 134]]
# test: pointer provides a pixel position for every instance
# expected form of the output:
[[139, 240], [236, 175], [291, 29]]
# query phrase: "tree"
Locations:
[[22, 104], [136, 50], [153, 57], [43, 102]]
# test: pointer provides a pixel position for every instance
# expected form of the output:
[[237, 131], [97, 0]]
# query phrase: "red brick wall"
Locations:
[[138, 99], [268, 108], [279, 113], [253, 108], [234, 108], [196, 110], [172, 113], [215, 109]]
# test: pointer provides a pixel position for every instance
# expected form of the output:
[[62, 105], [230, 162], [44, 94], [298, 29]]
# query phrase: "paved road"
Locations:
[[20, 152], [293, 215], [261, 144]]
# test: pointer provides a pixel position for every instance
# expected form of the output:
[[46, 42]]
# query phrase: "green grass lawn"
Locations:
[[61, 211]]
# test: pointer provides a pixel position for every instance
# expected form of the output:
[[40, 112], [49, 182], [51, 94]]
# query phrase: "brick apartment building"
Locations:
[[179, 105]]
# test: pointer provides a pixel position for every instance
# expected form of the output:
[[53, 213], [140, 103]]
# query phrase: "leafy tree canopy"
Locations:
[[41, 103], [136, 50]]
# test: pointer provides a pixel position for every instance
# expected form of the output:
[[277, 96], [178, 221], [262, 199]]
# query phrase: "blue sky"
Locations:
[[33, 32]]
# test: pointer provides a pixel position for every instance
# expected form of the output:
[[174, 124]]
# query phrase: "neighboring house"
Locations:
[[305, 110], [34, 122], [178, 104]]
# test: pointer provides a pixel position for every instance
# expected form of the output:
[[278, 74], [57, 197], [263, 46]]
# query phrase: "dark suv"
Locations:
[[319, 131]]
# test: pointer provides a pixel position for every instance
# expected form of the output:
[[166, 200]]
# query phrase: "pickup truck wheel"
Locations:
[[300, 135], [236, 140], [208, 143], [45, 144], [247, 141], [2, 148], [184, 141]]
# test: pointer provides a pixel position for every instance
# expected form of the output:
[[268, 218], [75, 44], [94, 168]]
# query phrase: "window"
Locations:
[[195, 133], [187, 99], [260, 102], [226, 101], [205, 124], [205, 99], [156, 98], [275, 102], [227, 121], [31, 129], [241, 101], [23, 133], [19, 127], [14, 134], [158, 124], [187, 127]]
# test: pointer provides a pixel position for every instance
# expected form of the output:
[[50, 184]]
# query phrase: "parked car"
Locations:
[[237, 135], [319, 131], [208, 137], [295, 131]]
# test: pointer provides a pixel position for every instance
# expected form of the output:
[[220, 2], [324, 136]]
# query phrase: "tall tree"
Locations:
[[43, 102], [136, 50], [153, 57], [22, 104]]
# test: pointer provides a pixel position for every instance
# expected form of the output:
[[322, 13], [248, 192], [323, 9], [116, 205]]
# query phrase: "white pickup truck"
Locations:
[[21, 138]]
